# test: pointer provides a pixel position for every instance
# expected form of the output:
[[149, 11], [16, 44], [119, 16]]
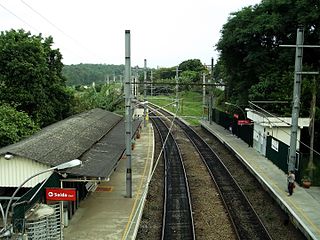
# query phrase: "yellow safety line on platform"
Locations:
[[305, 216], [138, 192], [292, 203], [279, 190]]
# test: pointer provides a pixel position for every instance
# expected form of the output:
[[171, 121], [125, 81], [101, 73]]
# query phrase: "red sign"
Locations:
[[244, 122], [236, 115], [61, 194]]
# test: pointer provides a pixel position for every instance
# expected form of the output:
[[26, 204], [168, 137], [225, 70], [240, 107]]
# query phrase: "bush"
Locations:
[[14, 125]]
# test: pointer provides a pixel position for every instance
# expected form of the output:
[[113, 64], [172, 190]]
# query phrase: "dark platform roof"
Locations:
[[95, 137], [102, 157], [67, 139]]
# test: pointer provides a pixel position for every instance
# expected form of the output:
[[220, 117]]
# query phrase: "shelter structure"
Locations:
[[279, 128], [96, 137]]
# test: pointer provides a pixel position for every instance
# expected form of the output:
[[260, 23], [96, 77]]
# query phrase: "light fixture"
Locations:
[[70, 164], [8, 156]]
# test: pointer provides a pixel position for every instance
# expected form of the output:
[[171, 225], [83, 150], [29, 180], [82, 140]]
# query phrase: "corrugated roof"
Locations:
[[96, 137]]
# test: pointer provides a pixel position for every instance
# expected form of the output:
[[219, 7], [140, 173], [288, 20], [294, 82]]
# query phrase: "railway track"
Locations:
[[177, 216], [245, 220]]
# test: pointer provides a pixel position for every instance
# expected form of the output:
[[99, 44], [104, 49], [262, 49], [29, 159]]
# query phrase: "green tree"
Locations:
[[164, 73], [250, 51], [192, 69], [14, 125], [85, 74], [30, 76], [191, 65], [108, 98]]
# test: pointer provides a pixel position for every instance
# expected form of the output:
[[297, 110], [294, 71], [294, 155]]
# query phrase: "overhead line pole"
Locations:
[[296, 100], [203, 91], [296, 95], [151, 81], [135, 83], [177, 82], [145, 93], [128, 115]]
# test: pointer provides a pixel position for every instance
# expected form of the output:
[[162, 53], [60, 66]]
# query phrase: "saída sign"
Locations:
[[61, 194]]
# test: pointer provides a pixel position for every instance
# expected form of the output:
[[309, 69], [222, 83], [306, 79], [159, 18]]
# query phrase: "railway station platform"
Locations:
[[303, 207], [107, 213]]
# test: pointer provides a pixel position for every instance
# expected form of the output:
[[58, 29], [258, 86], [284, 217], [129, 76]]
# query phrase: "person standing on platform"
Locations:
[[291, 178]]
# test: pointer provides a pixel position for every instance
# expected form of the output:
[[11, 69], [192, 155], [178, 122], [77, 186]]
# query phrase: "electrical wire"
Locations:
[[59, 29], [22, 20]]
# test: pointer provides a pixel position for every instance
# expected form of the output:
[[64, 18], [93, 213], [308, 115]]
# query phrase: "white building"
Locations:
[[277, 127]]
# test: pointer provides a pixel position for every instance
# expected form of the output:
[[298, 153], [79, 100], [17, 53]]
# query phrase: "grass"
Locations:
[[189, 108]]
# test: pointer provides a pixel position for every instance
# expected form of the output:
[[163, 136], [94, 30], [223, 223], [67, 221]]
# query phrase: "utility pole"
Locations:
[[108, 83], [212, 64], [136, 83], [210, 108], [296, 99], [177, 85], [151, 79], [128, 115], [203, 91], [210, 105], [145, 93], [296, 95], [133, 81], [311, 127]]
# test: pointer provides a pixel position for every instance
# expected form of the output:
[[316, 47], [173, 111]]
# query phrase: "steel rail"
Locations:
[[177, 214], [246, 221]]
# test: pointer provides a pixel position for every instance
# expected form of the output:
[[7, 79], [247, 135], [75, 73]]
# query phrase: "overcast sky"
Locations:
[[165, 32]]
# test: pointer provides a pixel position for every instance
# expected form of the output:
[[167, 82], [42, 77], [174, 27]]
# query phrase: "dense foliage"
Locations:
[[86, 74], [253, 65], [189, 71], [30, 76], [14, 125], [108, 97]]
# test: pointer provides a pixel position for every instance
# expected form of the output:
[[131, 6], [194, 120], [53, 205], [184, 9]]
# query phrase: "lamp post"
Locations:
[[231, 104], [70, 164]]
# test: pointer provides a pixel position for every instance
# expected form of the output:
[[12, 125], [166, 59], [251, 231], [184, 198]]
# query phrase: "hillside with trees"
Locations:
[[86, 74]]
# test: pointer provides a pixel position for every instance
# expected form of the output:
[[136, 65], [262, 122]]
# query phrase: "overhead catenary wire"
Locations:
[[28, 5], [15, 15], [58, 28]]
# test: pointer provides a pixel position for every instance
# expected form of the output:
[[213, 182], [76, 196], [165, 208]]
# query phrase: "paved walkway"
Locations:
[[107, 213], [303, 206]]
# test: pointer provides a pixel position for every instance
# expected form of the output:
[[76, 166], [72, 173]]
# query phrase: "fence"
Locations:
[[276, 151]]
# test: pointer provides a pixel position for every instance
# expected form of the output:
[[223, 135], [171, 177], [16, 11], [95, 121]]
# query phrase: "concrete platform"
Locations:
[[303, 206], [107, 213]]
